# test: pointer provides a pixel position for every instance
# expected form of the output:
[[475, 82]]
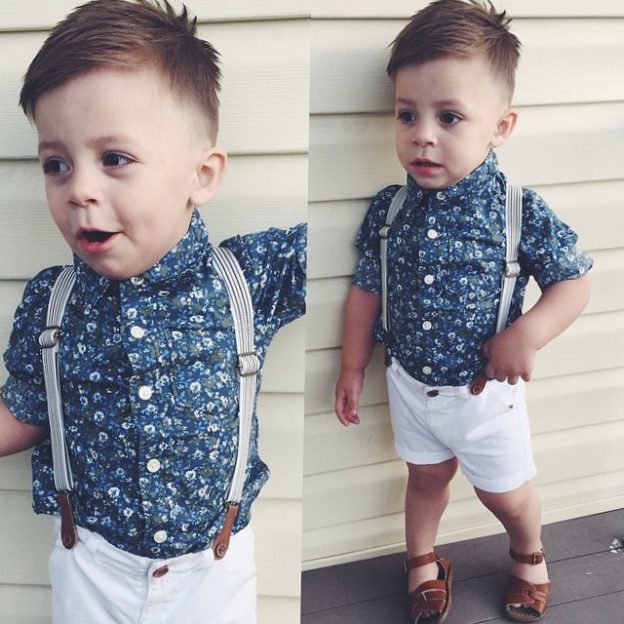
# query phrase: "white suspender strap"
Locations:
[[513, 227], [49, 343], [384, 233], [248, 367]]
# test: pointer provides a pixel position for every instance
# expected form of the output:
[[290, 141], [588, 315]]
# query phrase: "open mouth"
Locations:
[[96, 236]]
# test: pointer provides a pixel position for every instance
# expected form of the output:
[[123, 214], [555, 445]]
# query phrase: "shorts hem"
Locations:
[[501, 486], [412, 457]]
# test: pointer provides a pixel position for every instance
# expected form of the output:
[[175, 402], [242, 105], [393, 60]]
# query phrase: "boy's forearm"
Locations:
[[556, 309], [361, 312], [16, 436]]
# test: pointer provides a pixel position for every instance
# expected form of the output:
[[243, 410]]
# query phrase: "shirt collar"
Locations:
[[476, 182], [181, 261]]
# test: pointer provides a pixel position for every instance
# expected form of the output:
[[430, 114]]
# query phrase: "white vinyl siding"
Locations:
[[569, 146], [264, 46]]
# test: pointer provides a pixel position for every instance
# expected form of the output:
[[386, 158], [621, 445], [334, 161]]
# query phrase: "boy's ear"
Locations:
[[209, 175], [505, 127]]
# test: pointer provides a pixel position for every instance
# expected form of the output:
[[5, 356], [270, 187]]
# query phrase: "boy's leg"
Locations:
[[425, 500], [520, 513]]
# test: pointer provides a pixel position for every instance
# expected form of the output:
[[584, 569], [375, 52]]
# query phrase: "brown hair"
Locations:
[[123, 35], [458, 28]]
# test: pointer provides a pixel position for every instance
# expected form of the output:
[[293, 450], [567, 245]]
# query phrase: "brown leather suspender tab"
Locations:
[[222, 542], [69, 533]]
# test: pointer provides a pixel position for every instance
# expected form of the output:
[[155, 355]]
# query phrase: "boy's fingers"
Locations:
[[347, 409]]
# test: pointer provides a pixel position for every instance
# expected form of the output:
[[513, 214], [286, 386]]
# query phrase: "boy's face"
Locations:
[[124, 164], [448, 113]]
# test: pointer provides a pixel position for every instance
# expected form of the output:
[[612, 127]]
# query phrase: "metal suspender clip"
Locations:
[[384, 232], [49, 337], [512, 269], [248, 364]]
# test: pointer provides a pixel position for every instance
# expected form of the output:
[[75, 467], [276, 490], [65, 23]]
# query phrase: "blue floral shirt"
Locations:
[[446, 255], [150, 388]]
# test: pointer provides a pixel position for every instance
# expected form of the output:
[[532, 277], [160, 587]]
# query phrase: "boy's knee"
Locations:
[[432, 475], [511, 504]]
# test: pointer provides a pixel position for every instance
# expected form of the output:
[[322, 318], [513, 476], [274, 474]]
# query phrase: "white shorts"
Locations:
[[489, 433], [96, 583]]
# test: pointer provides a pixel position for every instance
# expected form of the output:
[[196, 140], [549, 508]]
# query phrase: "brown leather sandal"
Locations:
[[532, 598], [434, 595]]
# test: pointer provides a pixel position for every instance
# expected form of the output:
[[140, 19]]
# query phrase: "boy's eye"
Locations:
[[55, 165], [406, 116], [114, 159], [448, 118]]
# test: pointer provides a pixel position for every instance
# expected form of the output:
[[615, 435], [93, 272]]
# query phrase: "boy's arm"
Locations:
[[15, 435], [511, 353], [361, 311]]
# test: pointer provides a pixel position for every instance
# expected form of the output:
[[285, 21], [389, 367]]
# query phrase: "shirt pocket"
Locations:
[[472, 296], [474, 276], [202, 370]]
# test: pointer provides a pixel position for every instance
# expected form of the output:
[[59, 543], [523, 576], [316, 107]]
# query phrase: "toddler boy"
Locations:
[[124, 99], [453, 70]]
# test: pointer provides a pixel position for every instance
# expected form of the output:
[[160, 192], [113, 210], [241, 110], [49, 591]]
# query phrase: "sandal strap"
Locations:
[[533, 559], [430, 596], [534, 596], [421, 560]]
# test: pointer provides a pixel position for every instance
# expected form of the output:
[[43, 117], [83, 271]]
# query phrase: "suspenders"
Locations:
[[228, 268], [513, 227]]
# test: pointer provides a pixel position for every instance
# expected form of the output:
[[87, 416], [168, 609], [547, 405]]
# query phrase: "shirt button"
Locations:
[[429, 279], [427, 370], [432, 234], [137, 332], [153, 465], [160, 536], [440, 195], [427, 325], [136, 281], [145, 392], [432, 393]]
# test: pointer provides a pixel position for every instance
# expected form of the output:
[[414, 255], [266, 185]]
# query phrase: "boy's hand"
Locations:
[[512, 351], [511, 355], [348, 391]]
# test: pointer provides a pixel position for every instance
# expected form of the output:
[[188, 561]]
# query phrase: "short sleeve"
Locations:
[[548, 247], [24, 390], [274, 263], [368, 270]]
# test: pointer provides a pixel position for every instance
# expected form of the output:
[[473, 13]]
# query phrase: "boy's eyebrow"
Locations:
[[96, 142], [440, 103], [49, 145]]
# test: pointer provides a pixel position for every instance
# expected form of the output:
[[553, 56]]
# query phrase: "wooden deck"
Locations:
[[586, 566]]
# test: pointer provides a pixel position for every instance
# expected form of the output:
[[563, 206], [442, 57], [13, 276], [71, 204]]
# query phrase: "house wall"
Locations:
[[264, 46], [569, 146]]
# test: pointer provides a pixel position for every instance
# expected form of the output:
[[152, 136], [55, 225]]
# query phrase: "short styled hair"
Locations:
[[458, 28], [125, 36]]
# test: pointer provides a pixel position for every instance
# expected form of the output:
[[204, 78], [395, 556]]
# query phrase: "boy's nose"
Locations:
[[423, 134], [83, 187]]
